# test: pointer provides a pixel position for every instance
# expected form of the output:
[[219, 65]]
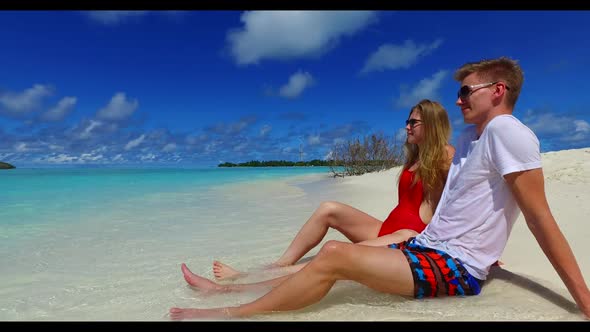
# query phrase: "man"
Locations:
[[496, 173]]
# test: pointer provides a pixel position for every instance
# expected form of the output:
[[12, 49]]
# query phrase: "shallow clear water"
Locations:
[[106, 245]]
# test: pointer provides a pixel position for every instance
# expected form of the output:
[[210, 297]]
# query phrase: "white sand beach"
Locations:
[[122, 262], [525, 288]]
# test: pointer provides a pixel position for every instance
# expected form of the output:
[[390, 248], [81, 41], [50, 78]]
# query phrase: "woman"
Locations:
[[428, 158]]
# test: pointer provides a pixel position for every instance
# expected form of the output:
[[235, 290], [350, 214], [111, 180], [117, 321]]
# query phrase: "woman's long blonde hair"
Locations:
[[432, 154]]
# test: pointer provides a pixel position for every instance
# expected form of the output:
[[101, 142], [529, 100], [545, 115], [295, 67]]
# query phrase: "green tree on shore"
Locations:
[[5, 165], [277, 163], [374, 152]]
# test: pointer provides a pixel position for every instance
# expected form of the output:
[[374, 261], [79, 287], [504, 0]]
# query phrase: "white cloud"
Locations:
[[191, 140], [265, 130], [113, 17], [237, 127], [134, 143], [581, 133], [55, 147], [426, 88], [118, 157], [292, 34], [169, 147], [90, 157], [582, 126], [21, 147], [297, 83], [194, 140], [313, 140], [577, 137], [101, 149], [562, 127], [61, 158], [211, 147], [62, 109], [241, 146], [338, 141], [391, 56], [119, 108], [148, 157], [547, 123], [26, 101], [88, 130], [176, 158], [4, 156]]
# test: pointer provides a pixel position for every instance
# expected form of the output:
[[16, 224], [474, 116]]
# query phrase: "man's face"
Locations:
[[475, 99]]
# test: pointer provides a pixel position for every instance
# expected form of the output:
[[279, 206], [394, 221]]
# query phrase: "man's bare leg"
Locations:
[[379, 268], [355, 224]]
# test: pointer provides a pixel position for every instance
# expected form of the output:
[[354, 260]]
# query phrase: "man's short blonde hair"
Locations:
[[501, 69]]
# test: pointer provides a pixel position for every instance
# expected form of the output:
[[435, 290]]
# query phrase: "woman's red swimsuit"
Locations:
[[406, 215]]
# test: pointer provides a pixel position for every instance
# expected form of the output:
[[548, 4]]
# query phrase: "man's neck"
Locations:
[[497, 111]]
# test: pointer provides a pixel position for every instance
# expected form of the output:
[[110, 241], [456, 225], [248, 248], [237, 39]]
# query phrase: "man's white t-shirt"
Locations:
[[477, 210]]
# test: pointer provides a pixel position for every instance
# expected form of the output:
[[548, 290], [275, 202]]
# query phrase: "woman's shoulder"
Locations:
[[450, 151]]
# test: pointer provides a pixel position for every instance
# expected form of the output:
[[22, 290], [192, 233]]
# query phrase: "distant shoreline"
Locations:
[[279, 163], [4, 165]]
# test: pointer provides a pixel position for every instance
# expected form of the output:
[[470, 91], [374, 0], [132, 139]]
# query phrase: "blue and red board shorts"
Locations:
[[436, 273]]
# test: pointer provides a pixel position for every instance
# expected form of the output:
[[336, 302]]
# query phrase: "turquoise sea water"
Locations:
[[29, 196], [106, 244]]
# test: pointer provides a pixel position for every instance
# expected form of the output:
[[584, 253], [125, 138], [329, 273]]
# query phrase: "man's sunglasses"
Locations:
[[467, 90], [412, 122]]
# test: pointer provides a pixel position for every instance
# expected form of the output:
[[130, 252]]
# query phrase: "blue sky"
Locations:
[[196, 88]]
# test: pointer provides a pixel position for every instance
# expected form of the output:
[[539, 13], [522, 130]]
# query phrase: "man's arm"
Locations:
[[528, 189]]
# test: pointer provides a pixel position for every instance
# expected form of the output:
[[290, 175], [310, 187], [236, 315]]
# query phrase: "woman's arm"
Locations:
[[395, 237]]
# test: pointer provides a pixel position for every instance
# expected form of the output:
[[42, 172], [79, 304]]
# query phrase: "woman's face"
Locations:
[[415, 128]]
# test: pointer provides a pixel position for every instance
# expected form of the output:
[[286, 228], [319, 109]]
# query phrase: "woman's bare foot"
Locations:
[[198, 281], [225, 272], [182, 313]]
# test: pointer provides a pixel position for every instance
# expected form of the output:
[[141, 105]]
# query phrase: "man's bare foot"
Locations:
[[187, 313], [198, 281], [225, 272]]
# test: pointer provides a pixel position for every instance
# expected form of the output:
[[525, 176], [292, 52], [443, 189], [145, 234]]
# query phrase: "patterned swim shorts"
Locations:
[[436, 273]]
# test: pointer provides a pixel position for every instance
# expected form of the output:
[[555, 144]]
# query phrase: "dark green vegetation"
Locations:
[[5, 165], [278, 163], [373, 153]]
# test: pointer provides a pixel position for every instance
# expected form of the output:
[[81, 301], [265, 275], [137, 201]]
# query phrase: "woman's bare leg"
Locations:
[[210, 286], [355, 224], [379, 268], [396, 237], [225, 272]]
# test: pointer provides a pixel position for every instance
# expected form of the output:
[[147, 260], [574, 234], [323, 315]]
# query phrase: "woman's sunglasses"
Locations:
[[412, 122]]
